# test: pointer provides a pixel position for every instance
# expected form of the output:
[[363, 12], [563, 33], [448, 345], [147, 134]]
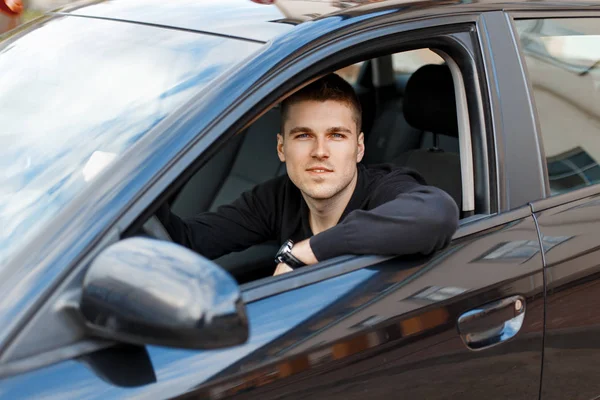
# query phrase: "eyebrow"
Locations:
[[338, 129], [299, 129], [304, 129]]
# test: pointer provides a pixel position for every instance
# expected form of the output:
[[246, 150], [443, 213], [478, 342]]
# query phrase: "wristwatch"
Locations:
[[284, 255]]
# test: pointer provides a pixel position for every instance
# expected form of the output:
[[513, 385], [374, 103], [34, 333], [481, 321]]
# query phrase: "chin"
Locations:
[[320, 193]]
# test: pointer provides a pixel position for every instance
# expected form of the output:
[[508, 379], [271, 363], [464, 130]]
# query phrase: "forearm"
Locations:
[[304, 252], [420, 221], [175, 226], [214, 234], [191, 234]]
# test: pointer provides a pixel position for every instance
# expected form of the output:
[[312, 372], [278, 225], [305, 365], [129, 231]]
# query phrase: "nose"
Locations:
[[320, 149]]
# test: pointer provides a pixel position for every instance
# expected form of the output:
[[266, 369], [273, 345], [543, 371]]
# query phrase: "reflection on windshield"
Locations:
[[77, 93]]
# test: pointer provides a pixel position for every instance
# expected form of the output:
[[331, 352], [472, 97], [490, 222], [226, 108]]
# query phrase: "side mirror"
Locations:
[[147, 291]]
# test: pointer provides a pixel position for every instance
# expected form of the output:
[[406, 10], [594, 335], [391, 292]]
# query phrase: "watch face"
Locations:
[[285, 248], [281, 249]]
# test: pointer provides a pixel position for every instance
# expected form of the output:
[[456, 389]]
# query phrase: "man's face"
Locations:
[[320, 146]]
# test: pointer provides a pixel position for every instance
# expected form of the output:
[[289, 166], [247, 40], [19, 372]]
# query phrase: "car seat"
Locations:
[[430, 106]]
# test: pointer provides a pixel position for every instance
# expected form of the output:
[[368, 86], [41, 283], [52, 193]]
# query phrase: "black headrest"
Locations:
[[429, 102]]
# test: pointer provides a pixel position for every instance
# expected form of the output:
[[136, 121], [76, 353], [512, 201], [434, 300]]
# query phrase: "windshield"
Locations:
[[76, 94]]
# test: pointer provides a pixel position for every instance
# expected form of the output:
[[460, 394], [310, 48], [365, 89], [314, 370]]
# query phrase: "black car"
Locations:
[[110, 109]]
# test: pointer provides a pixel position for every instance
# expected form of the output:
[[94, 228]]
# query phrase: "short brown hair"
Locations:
[[329, 87]]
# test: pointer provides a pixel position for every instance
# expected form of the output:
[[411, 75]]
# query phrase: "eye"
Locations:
[[302, 136], [338, 135]]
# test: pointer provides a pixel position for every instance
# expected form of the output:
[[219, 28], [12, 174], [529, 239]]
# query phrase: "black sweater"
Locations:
[[391, 212]]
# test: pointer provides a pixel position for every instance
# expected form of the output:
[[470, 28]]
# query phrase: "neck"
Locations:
[[325, 213]]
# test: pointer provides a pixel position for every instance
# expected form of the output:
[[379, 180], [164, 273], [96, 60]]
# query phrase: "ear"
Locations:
[[280, 153], [361, 147]]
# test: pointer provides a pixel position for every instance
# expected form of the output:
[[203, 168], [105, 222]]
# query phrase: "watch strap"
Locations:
[[284, 255], [292, 260]]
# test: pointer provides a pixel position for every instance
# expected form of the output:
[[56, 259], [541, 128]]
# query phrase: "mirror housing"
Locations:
[[147, 291]]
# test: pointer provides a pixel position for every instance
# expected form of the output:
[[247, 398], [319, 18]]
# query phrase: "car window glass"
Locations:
[[408, 62], [351, 72], [404, 63], [563, 59], [72, 104]]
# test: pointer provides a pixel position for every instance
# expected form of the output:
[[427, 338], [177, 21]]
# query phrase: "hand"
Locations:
[[282, 268]]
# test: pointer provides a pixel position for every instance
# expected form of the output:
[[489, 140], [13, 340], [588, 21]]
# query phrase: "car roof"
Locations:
[[242, 19], [255, 21]]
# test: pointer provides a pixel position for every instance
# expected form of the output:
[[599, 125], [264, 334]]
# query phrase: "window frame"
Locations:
[[270, 286], [433, 33]]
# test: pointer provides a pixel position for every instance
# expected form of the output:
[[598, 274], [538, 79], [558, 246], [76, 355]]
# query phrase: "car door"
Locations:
[[402, 326], [466, 322], [561, 55]]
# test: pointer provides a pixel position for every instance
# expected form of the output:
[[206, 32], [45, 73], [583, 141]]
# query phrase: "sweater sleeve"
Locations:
[[405, 217], [233, 227]]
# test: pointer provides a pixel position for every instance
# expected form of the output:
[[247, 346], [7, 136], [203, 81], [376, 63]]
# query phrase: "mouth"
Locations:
[[319, 170]]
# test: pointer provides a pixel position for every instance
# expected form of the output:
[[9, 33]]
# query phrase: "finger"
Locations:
[[279, 270], [282, 269]]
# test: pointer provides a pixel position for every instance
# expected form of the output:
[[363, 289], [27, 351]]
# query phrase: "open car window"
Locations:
[[250, 158]]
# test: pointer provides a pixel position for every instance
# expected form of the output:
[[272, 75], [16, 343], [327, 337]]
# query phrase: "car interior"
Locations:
[[409, 120]]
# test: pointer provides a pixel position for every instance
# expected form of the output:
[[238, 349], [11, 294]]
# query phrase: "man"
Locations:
[[328, 204]]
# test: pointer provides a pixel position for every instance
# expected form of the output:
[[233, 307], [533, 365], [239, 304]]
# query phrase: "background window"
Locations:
[[563, 60], [404, 63], [408, 62], [351, 72]]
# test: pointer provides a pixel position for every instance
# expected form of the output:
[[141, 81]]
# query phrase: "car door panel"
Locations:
[[571, 235], [386, 329], [177, 370], [396, 332], [556, 48]]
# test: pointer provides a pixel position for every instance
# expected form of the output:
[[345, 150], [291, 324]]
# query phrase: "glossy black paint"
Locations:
[[146, 291], [520, 179], [571, 348], [366, 333], [244, 20], [388, 329], [399, 331]]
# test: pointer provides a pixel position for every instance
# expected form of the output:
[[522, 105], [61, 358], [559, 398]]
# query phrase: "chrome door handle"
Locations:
[[492, 323]]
